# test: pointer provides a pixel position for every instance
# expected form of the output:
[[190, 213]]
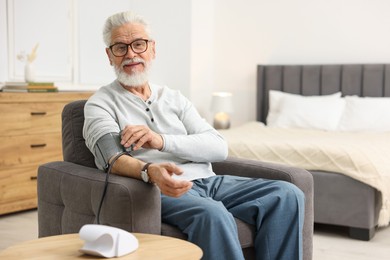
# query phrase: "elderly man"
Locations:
[[172, 147]]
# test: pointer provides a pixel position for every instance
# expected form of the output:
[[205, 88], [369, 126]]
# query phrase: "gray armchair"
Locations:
[[69, 191]]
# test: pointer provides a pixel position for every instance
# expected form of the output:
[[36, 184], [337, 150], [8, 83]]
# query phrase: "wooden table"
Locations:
[[67, 247]]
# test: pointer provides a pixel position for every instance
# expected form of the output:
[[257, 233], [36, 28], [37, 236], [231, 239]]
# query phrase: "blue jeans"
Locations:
[[206, 214]]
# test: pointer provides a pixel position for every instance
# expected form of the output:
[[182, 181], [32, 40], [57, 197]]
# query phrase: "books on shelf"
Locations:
[[40, 83], [16, 83], [15, 86], [41, 87]]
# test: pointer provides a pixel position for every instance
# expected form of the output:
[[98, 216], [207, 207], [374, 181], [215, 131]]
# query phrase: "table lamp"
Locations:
[[221, 106]]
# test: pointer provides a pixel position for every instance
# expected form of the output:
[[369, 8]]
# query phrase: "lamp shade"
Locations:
[[222, 102]]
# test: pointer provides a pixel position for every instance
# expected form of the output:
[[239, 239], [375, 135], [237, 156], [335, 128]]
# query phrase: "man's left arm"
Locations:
[[201, 144]]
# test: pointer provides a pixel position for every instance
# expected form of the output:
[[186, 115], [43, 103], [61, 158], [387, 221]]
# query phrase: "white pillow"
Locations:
[[274, 104], [297, 111], [366, 114]]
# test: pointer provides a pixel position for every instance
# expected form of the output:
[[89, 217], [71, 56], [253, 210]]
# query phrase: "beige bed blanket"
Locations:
[[361, 156]]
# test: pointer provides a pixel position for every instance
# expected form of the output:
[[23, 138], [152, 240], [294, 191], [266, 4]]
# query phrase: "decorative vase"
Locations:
[[29, 72]]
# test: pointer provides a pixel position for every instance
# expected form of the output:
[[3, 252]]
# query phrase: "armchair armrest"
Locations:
[[299, 177], [69, 195], [258, 169]]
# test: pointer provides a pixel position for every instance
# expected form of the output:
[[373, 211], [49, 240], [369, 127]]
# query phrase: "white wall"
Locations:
[[202, 55], [254, 32], [215, 45]]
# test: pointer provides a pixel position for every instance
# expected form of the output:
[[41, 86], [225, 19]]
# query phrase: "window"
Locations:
[[47, 23]]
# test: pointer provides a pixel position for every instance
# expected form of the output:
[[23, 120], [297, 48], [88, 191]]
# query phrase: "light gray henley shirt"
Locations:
[[189, 141]]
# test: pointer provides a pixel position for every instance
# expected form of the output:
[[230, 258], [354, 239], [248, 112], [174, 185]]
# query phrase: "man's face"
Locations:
[[132, 68]]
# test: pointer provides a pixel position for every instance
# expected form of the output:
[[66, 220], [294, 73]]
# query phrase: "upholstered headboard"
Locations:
[[351, 79]]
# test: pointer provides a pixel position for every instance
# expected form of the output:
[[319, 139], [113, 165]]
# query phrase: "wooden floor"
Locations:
[[330, 243]]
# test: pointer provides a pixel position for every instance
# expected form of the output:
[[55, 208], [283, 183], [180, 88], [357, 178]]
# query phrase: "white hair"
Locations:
[[120, 19]]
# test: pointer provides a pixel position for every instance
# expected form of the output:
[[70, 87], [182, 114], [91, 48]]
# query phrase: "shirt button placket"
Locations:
[[148, 110]]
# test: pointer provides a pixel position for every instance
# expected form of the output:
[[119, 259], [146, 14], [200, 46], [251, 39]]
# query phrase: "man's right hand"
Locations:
[[161, 175]]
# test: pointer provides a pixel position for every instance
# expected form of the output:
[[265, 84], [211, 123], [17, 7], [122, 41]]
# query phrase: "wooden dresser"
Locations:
[[30, 134]]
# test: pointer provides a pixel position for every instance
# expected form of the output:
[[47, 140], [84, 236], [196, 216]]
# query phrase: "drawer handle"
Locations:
[[33, 178], [38, 113], [37, 145]]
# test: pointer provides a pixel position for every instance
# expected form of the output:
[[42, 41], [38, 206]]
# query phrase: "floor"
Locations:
[[333, 243], [330, 243]]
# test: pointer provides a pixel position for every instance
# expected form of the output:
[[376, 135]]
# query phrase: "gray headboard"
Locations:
[[351, 79]]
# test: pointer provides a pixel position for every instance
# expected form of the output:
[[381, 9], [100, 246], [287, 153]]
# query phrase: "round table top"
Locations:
[[67, 247]]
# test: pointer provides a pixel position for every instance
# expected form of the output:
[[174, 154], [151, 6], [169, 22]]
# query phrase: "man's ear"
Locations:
[[108, 55], [153, 49]]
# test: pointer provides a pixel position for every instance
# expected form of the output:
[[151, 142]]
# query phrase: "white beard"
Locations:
[[136, 79]]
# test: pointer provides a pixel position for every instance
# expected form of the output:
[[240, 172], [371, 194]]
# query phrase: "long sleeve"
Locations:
[[202, 142]]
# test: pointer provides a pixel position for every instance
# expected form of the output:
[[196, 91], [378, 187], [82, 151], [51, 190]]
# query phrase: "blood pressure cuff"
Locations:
[[108, 146]]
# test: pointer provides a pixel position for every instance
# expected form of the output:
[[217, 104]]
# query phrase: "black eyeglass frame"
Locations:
[[130, 44]]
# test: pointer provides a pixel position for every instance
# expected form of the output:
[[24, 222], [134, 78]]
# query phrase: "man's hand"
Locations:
[[161, 175], [141, 136]]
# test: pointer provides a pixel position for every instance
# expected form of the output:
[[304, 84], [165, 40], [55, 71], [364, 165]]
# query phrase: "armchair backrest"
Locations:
[[73, 143]]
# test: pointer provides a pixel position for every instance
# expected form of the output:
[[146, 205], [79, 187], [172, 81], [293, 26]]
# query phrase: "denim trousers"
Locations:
[[206, 214]]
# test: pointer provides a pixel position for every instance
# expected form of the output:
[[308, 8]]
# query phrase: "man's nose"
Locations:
[[130, 53]]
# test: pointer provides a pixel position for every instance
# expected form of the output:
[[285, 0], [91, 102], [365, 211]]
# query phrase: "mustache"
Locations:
[[133, 60]]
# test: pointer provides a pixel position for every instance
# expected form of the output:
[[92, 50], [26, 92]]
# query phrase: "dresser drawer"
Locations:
[[32, 149], [30, 135], [18, 188], [30, 118]]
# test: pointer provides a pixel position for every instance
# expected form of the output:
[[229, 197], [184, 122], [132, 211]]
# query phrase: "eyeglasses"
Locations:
[[138, 46]]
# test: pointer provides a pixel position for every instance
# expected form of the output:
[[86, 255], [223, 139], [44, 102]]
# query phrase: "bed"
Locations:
[[358, 200]]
